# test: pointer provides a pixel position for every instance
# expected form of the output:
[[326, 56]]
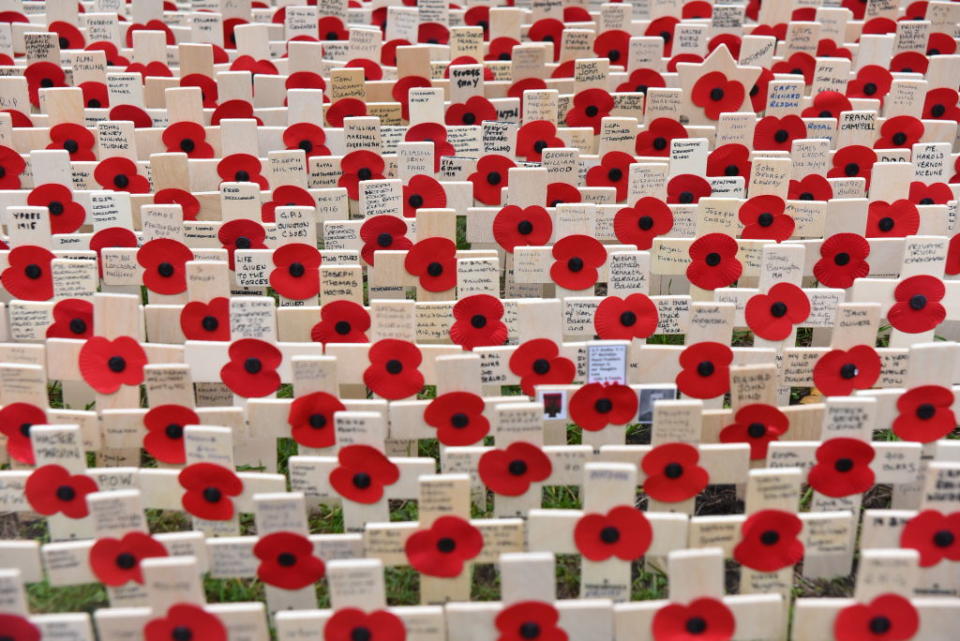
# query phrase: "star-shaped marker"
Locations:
[[714, 90]]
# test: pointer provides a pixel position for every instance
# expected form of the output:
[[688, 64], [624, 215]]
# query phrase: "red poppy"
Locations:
[[614, 45], [596, 405], [732, 159], [827, 48], [209, 92], [371, 70], [642, 79], [899, 132], [173, 196], [827, 104], [526, 620], [28, 275], [953, 256], [42, 75], [252, 368], [939, 44], [435, 133], [434, 262], [349, 624], [116, 562], [663, 27], [909, 62], [241, 168], [616, 318], [856, 6], [759, 90], [76, 139], [613, 171], [918, 307], [535, 136], [696, 9], [773, 315], [478, 322], [757, 425], [234, 109], [241, 234], [474, 111], [878, 26], [590, 106], [490, 178], [915, 10], [18, 628], [66, 216], [501, 48], [164, 437], [799, 64], [559, 193], [120, 174], [154, 69], [72, 318], [311, 419], [872, 81], [422, 191], [763, 218], [106, 365], [639, 225], [151, 25], [164, 265], [393, 372], [810, 187], [208, 487], [511, 471], [577, 259], [513, 226], [656, 139], [932, 194], [778, 133], [51, 489], [842, 467], [95, 94], [305, 80], [854, 161], [17, 118], [889, 617], [839, 372], [358, 166], [362, 474], [468, 60], [716, 95], [131, 113], [443, 548], [433, 33], [308, 137], [687, 189], [287, 561], [548, 30], [713, 262], [768, 541], [778, 31], [842, 260], [341, 321], [526, 84], [16, 419], [114, 59], [342, 108], [704, 619], [109, 237], [458, 417], [682, 57], [705, 370], [296, 273], [672, 472], [185, 621], [401, 90], [623, 532], [934, 535], [730, 40], [478, 16], [925, 414], [537, 362], [383, 232]]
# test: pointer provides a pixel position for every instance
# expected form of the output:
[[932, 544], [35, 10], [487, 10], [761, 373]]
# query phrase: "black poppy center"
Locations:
[[187, 145], [641, 88], [575, 264], [360, 634], [364, 174], [615, 174], [286, 559], [628, 319], [25, 429], [870, 88], [686, 197], [317, 421], [121, 180], [918, 302], [517, 467], [826, 113], [539, 146], [33, 271], [770, 537], [66, 493], [71, 146], [843, 465], [529, 630], [541, 366], [756, 430], [494, 178], [666, 35], [716, 94], [848, 371], [765, 219], [333, 35], [252, 365], [696, 625], [469, 118], [212, 495], [613, 55], [210, 323], [504, 56], [361, 480], [806, 196], [125, 561], [242, 242], [446, 545], [731, 170], [659, 143], [705, 368], [645, 223], [46, 83], [296, 270], [944, 538], [603, 405], [165, 269], [885, 224], [937, 111], [305, 145], [174, 431], [415, 201], [478, 321], [394, 366], [592, 111], [899, 138], [524, 227], [712, 259], [781, 136], [851, 169], [673, 470], [342, 328], [55, 207], [926, 411], [384, 239], [459, 420], [797, 71], [242, 176], [117, 364], [778, 310], [754, 90], [926, 201], [434, 269], [609, 534], [933, 52], [182, 633], [841, 259], [880, 625]]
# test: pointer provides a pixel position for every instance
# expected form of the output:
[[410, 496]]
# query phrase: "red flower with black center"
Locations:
[[305, 80], [189, 138], [511, 471], [16, 419], [759, 90], [590, 106], [526, 620], [799, 64], [164, 265], [467, 60], [778, 133], [106, 365], [491, 177], [154, 69], [932, 194], [918, 308], [716, 95], [538, 362], [252, 368], [682, 57], [899, 132], [663, 27], [164, 437], [858, 7], [772, 316], [547, 30], [656, 139], [349, 624], [234, 109], [116, 562], [341, 321], [756, 425], [673, 473], [208, 488], [577, 259], [11, 166], [308, 137], [434, 262], [915, 11], [241, 168], [778, 31], [383, 232], [151, 25], [51, 489], [640, 80], [107, 238], [185, 621], [878, 26], [114, 59], [827, 104], [732, 159], [535, 136], [209, 92], [696, 10], [731, 41], [401, 90], [623, 533], [42, 75], [285, 196], [940, 44], [66, 216], [474, 111], [173, 196], [639, 225], [371, 70], [478, 16], [513, 227], [311, 419], [909, 62], [872, 81], [241, 234], [443, 548], [810, 187], [763, 217], [296, 273], [433, 33], [842, 467], [616, 318], [925, 414], [120, 174], [345, 108], [768, 541], [478, 322], [393, 372], [889, 617], [613, 171], [705, 370], [435, 133], [705, 619], [501, 48], [358, 166], [687, 189], [131, 113], [934, 535], [827, 48], [362, 474], [559, 193], [527, 84], [72, 318], [287, 561], [853, 161], [613, 45], [19, 628], [713, 262], [95, 94], [842, 260], [596, 405], [331, 28], [458, 417], [422, 191], [839, 372]]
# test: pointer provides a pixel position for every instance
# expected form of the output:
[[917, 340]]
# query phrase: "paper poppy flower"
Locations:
[[501, 48], [458, 418], [858, 8], [311, 419], [151, 25], [305, 80], [51, 489], [362, 474], [383, 232], [393, 372], [799, 64], [763, 217], [107, 364], [854, 161], [513, 227], [68, 36], [241, 234], [732, 159], [254, 66], [842, 467], [713, 262], [547, 30], [778, 133], [613, 171], [872, 81], [434, 262], [772, 316], [934, 535], [19, 628], [422, 192], [16, 419], [511, 471], [778, 31], [909, 62], [656, 139], [614, 45], [839, 372], [596, 405], [296, 273], [537, 362], [154, 69], [331, 28], [42, 75], [940, 44], [535, 136], [590, 106], [72, 318], [899, 132], [810, 187], [358, 166], [642, 79], [401, 90], [308, 137], [827, 48], [673, 474], [164, 265], [577, 259], [474, 111], [11, 166], [526, 84], [639, 225], [287, 561], [95, 95], [116, 562], [107, 238], [705, 370], [131, 113], [687, 189], [842, 260], [759, 90], [525, 620], [827, 104], [435, 133], [918, 308], [209, 93], [173, 196], [371, 69], [756, 425], [241, 168], [66, 216], [715, 94], [164, 437], [344, 108], [559, 193], [932, 194], [443, 548], [185, 621], [478, 16], [350, 624], [925, 414], [114, 59], [208, 488], [341, 321], [433, 33], [76, 139], [478, 322], [768, 541], [682, 57], [252, 368], [706, 618], [120, 174], [663, 27], [234, 109], [731, 41], [889, 617], [616, 318], [952, 266], [623, 533]]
